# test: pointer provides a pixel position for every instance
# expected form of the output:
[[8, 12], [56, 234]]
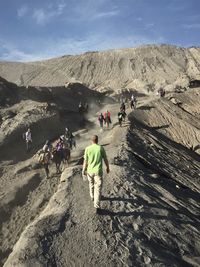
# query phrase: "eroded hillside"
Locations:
[[143, 68], [24, 191], [150, 205]]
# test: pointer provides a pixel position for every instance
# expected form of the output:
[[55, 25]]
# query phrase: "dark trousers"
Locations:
[[46, 168]]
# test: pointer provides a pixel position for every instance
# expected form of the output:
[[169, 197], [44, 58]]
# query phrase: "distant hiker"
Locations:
[[28, 139], [133, 102], [47, 107], [101, 120], [72, 142], [80, 108], [123, 107], [93, 167], [99, 102], [161, 92], [120, 117], [107, 118], [67, 133], [123, 114]]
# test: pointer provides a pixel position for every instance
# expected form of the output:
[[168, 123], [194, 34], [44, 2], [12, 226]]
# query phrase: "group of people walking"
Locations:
[[94, 155], [104, 119], [58, 153]]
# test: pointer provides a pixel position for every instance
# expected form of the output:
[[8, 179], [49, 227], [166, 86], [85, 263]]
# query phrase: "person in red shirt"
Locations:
[[107, 118]]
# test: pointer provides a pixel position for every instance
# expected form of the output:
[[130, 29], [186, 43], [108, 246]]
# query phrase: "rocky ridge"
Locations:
[[144, 69], [150, 205]]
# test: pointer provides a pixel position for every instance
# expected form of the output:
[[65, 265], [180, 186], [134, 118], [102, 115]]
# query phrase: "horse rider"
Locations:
[[60, 146], [45, 157], [47, 147]]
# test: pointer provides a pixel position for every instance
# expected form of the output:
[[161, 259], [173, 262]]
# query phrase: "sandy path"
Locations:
[[149, 217], [25, 192]]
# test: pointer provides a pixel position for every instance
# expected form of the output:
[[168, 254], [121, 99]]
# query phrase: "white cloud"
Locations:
[[107, 14], [61, 8], [10, 52], [40, 16], [191, 26], [90, 10], [43, 16], [149, 25], [59, 47], [139, 19], [22, 11]]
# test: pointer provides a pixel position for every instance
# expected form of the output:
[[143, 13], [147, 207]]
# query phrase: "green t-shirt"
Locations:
[[94, 155]]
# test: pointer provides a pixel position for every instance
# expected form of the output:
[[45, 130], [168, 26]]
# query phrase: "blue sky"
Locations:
[[40, 29]]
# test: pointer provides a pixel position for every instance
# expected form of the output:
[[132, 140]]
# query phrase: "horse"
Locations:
[[61, 156], [123, 115], [44, 160]]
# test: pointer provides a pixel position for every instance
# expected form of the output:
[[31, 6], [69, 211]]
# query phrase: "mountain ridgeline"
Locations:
[[144, 68]]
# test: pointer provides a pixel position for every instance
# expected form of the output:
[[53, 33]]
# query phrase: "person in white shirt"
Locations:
[[28, 139]]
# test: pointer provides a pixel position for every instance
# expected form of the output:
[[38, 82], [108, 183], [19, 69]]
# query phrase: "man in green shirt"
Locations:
[[93, 168]]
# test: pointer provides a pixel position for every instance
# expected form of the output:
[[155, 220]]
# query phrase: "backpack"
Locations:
[[41, 157], [120, 116], [44, 157]]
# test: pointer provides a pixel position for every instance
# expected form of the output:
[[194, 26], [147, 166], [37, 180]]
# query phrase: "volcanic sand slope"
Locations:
[[24, 191], [143, 68], [150, 201]]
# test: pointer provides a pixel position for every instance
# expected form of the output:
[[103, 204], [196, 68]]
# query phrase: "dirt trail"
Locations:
[[150, 208], [25, 192]]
